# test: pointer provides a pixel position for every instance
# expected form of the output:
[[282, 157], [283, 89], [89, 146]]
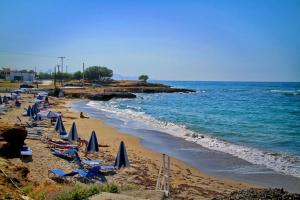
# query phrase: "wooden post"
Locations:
[[163, 183], [168, 181]]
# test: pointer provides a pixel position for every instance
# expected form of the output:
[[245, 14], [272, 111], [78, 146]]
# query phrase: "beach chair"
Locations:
[[88, 174], [67, 154], [25, 151], [107, 168], [86, 163], [60, 175], [60, 145]]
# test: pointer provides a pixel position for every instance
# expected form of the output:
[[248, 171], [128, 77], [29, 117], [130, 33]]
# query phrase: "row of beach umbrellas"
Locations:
[[93, 145]]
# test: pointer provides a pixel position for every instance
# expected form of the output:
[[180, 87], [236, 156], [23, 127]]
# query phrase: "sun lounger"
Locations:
[[86, 163], [107, 168], [26, 151], [34, 137], [60, 145], [61, 174], [70, 153], [87, 175]]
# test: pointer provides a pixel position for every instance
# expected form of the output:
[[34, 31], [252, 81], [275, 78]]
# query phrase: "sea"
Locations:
[[252, 125]]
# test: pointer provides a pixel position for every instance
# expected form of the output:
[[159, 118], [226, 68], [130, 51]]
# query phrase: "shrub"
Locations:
[[79, 192], [111, 188], [27, 189], [54, 92]]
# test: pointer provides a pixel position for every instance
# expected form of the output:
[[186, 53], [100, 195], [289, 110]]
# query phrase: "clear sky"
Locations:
[[257, 40]]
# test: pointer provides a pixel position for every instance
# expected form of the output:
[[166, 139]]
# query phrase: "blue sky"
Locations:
[[169, 40]]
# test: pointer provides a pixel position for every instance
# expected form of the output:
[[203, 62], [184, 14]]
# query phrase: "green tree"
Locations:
[[77, 75], [143, 78], [44, 76], [99, 73]]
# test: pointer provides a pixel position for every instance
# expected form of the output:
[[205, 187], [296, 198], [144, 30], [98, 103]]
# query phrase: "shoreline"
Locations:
[[187, 181], [184, 176], [240, 170]]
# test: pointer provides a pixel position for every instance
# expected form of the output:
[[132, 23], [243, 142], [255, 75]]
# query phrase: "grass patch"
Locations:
[[79, 192], [128, 187], [9, 85], [27, 189], [111, 188]]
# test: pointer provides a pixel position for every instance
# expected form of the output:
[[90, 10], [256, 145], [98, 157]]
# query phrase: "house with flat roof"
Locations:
[[18, 75]]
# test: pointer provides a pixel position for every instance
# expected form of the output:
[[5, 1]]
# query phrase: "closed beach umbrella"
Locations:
[[5, 100], [0, 100], [73, 135], [33, 109], [28, 111], [31, 115], [59, 126], [36, 110], [122, 158], [93, 143]]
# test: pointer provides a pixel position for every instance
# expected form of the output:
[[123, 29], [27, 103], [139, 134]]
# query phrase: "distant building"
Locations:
[[20, 76]]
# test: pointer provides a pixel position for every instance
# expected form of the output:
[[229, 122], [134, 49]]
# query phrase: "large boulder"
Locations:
[[11, 140]]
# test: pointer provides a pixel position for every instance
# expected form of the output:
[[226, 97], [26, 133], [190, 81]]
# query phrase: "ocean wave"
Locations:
[[287, 92], [279, 162]]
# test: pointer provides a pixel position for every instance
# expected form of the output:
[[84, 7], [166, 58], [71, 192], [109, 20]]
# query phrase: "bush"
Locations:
[[54, 92], [27, 189], [143, 78], [79, 192], [111, 188]]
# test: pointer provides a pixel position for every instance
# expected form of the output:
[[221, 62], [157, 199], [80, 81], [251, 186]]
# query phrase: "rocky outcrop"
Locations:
[[11, 140], [258, 194], [119, 89], [108, 96]]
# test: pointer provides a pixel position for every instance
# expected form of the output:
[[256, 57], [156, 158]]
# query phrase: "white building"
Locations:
[[20, 76]]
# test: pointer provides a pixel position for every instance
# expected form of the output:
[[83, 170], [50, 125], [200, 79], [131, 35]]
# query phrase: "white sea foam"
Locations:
[[291, 92], [282, 163]]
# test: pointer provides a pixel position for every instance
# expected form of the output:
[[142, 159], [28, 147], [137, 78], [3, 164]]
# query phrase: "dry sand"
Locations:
[[186, 182]]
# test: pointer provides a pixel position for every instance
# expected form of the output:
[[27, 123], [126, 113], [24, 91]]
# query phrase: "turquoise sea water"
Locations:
[[258, 122]]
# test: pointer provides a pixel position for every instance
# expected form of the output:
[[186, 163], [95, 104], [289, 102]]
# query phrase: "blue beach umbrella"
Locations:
[[73, 135], [93, 143], [122, 158], [5, 100], [36, 118], [59, 126], [28, 111], [31, 114], [36, 110], [33, 109]]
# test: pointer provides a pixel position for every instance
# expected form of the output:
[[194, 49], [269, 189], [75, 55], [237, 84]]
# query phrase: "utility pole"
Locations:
[[36, 78], [62, 68], [62, 63], [54, 76], [83, 74]]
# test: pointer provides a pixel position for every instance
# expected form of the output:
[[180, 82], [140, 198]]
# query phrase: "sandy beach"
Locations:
[[186, 182]]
